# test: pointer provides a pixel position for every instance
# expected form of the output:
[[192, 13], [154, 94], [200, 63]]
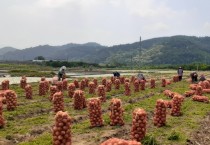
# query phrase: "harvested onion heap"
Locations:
[[65, 84], [28, 90], [142, 84], [206, 84], [176, 105], [136, 86], [200, 98], [79, 100], [108, 86], [122, 80], [116, 115], [95, 83], [113, 79], [23, 82], [95, 113], [202, 85], [193, 86], [53, 90], [58, 102], [103, 82], [152, 83], [127, 89], [91, 88], [189, 93], [42, 91], [11, 99], [163, 83], [139, 122], [116, 141], [71, 89], [1, 114], [198, 91], [117, 84], [59, 86], [82, 85], [160, 113], [76, 83], [62, 129], [168, 104], [5, 85], [175, 79], [102, 93]]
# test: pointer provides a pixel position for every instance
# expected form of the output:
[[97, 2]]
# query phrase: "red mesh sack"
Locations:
[[62, 129], [5, 85], [176, 105], [11, 100], [95, 113], [136, 86], [160, 113], [102, 93], [65, 84], [53, 90], [108, 86], [116, 115], [127, 89], [200, 98], [71, 89], [152, 83], [76, 83], [82, 85], [42, 91], [79, 100], [58, 102], [28, 91], [139, 122], [91, 88], [117, 84]]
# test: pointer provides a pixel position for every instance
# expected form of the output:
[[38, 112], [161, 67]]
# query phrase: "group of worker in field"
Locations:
[[140, 76]]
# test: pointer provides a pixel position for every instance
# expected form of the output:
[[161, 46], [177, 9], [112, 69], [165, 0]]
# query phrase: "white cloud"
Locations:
[[206, 26], [157, 27]]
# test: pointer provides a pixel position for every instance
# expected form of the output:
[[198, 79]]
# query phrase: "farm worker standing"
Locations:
[[61, 72], [180, 73], [140, 77]]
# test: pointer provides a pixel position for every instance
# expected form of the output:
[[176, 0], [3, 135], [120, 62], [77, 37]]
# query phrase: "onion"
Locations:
[[62, 136], [65, 84], [175, 79], [189, 93], [113, 79], [138, 130], [82, 84], [122, 80], [200, 98], [11, 100], [127, 89], [108, 86], [176, 105], [91, 88], [2, 97], [142, 84], [163, 83], [79, 100], [193, 86], [127, 80], [42, 78], [42, 90], [58, 102], [95, 82], [198, 91], [2, 122], [28, 91], [53, 90], [5, 85], [160, 113], [168, 93], [117, 84], [103, 82], [152, 83], [102, 93], [116, 141], [23, 82], [95, 113], [116, 115], [76, 83], [59, 86], [136, 86], [71, 89]]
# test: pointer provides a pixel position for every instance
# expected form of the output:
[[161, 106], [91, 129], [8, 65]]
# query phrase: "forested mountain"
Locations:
[[163, 50]]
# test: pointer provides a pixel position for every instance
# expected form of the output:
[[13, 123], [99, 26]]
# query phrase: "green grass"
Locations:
[[37, 113]]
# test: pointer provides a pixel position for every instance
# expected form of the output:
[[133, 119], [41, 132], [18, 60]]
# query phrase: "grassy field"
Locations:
[[31, 122]]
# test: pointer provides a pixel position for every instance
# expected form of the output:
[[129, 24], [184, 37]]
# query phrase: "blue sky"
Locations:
[[26, 23]]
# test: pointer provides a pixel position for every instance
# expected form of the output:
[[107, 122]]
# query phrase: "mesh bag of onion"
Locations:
[[139, 122], [79, 100], [71, 89], [58, 102], [95, 113], [62, 129]]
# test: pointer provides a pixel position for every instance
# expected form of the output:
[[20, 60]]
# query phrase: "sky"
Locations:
[[29, 23]]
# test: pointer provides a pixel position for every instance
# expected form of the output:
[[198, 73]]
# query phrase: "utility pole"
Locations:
[[139, 51]]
